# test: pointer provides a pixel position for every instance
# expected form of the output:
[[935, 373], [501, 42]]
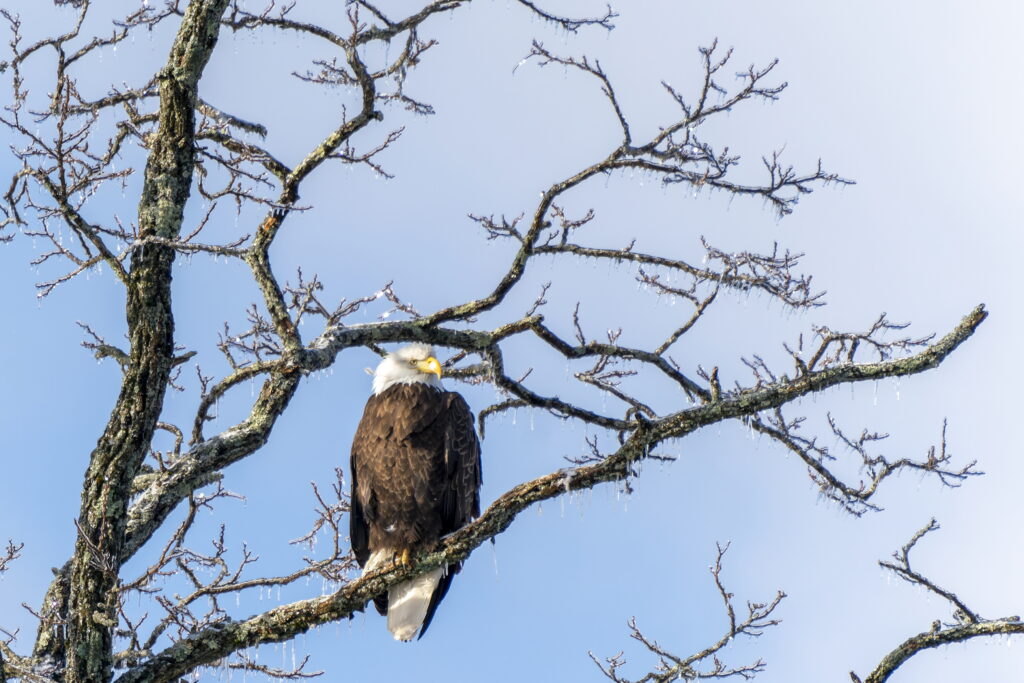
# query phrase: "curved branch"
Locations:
[[570, 24], [518, 266], [775, 394], [221, 388], [932, 639], [614, 350], [81, 226], [284, 622], [793, 291], [188, 473], [970, 624]]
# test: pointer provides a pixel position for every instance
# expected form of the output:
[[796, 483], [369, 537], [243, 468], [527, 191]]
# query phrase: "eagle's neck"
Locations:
[[382, 381]]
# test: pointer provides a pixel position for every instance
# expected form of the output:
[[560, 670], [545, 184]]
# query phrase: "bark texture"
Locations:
[[118, 456]]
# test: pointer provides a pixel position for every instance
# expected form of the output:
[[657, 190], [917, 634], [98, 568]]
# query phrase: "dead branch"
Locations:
[[967, 623], [11, 553], [704, 664]]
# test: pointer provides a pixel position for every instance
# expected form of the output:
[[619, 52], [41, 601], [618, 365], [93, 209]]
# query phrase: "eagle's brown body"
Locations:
[[415, 476]]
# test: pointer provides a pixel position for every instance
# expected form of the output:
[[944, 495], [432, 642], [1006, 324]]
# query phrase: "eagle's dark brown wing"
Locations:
[[461, 503], [398, 471], [461, 500], [358, 531]]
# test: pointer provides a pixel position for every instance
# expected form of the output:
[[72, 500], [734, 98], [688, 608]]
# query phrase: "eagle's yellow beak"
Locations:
[[430, 366]]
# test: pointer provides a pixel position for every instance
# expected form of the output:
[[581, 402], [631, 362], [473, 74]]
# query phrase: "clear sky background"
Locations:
[[919, 102]]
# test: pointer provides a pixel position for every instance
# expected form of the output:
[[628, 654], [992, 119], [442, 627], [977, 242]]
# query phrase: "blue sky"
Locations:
[[918, 102]]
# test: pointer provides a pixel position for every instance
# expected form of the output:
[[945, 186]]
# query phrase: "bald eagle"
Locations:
[[415, 478]]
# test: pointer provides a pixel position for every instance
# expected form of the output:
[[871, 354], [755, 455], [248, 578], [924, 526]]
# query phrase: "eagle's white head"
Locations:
[[410, 364]]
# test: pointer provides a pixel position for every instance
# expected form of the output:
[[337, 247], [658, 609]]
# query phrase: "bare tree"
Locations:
[[73, 144]]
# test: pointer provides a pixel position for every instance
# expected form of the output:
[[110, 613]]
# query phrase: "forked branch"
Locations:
[[704, 664], [967, 624]]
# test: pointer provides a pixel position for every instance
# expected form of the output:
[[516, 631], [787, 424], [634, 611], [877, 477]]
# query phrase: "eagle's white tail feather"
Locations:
[[376, 559], [407, 602]]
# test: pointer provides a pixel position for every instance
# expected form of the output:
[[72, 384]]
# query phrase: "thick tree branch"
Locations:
[[115, 462], [933, 639]]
